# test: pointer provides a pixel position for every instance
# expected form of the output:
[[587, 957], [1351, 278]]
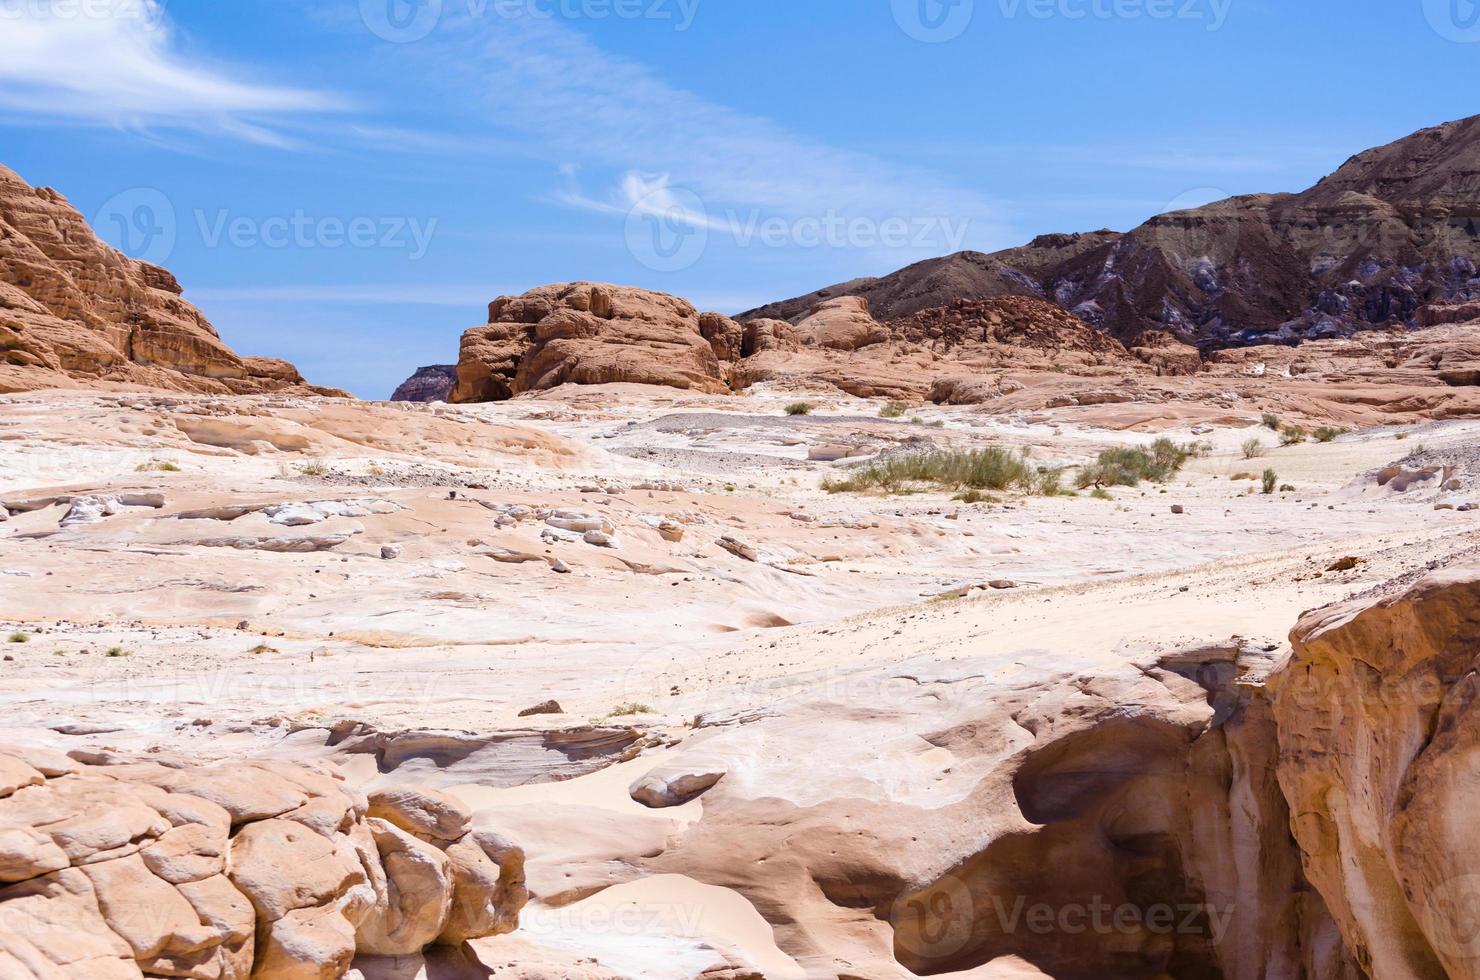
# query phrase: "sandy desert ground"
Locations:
[[391, 587]]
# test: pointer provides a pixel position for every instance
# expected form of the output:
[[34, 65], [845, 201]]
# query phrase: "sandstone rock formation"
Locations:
[[432, 383], [1378, 730], [1396, 228], [75, 311], [592, 333], [115, 867]]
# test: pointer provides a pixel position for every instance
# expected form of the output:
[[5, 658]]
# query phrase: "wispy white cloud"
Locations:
[[115, 62], [649, 143]]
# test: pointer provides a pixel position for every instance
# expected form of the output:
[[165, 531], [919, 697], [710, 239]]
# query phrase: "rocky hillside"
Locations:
[[75, 311], [432, 383], [1395, 229]]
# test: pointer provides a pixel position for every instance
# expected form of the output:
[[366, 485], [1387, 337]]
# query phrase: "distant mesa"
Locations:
[[432, 383], [75, 312]]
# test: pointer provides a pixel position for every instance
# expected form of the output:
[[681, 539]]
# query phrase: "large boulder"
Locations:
[[593, 333]]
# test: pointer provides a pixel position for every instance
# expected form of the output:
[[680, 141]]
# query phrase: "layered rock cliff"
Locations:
[[1394, 229], [432, 383], [74, 311]]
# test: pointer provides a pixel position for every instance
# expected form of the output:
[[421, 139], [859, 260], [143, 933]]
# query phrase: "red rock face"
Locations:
[[593, 333], [75, 311], [1394, 229]]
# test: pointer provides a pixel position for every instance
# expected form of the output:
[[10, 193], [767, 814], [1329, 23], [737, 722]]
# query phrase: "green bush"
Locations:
[[981, 469], [1160, 462], [1328, 433], [1270, 421], [799, 408], [1292, 435], [19, 637], [1253, 449], [893, 410], [1271, 480]]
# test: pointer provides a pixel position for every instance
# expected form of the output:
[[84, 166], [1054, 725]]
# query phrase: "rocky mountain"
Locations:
[[432, 383], [1393, 230], [75, 311]]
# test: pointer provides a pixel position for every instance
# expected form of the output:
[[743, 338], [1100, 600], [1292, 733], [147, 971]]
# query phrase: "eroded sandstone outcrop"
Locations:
[[593, 333], [432, 383], [75, 311], [1379, 736], [117, 868]]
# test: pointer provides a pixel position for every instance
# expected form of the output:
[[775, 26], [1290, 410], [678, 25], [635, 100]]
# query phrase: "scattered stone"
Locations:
[[1178, 509], [390, 552], [543, 708], [738, 548], [1345, 564]]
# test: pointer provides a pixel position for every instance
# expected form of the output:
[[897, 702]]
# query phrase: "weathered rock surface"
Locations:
[[592, 333], [1379, 733], [263, 870], [74, 311], [432, 383]]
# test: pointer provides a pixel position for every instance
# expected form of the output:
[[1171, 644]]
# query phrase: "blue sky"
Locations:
[[347, 183]]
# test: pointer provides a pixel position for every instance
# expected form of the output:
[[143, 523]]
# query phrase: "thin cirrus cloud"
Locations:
[[114, 62], [655, 144]]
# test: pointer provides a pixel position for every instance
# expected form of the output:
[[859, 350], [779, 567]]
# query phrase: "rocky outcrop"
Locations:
[[593, 333], [432, 383], [118, 868], [75, 311], [1395, 229], [1379, 732]]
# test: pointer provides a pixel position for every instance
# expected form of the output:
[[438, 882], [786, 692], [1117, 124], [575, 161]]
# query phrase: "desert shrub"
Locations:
[[1292, 435], [972, 497], [157, 466], [1050, 482], [893, 410], [1100, 493], [314, 467], [632, 708], [1271, 479], [799, 408], [19, 637], [1253, 449], [1270, 421], [1160, 462], [1400, 436], [1328, 433], [1288, 488], [981, 469], [117, 652]]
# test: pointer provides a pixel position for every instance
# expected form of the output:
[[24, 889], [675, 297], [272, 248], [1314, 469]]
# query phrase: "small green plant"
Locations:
[[1401, 436], [938, 424], [1244, 476], [1328, 433], [1270, 421], [1253, 448], [893, 410], [157, 466], [1050, 482], [261, 648], [314, 467], [632, 708], [19, 637], [972, 497], [1128, 467], [799, 408], [729, 488], [1271, 480], [992, 468], [1292, 435], [117, 652], [1288, 488], [1100, 493]]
